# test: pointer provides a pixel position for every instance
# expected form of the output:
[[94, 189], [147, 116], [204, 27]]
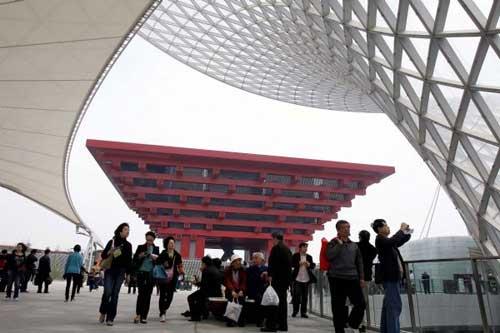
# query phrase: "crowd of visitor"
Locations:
[[255, 294]]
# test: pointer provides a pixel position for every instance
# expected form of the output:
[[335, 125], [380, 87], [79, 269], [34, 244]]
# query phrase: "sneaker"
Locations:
[[304, 315], [144, 321], [163, 318], [109, 323], [294, 314], [15, 299]]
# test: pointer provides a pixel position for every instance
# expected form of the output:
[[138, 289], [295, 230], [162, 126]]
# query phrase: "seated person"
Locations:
[[209, 285], [256, 285], [235, 281]]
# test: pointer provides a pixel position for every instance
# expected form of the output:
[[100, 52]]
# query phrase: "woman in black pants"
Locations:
[[72, 270], [172, 263], [16, 266], [144, 261], [121, 251]]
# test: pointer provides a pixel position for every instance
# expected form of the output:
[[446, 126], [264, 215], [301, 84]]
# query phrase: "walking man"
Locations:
[[279, 275], [347, 276], [302, 276], [43, 275], [392, 271]]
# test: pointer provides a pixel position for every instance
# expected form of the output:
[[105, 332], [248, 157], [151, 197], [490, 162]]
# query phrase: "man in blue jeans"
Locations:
[[392, 272]]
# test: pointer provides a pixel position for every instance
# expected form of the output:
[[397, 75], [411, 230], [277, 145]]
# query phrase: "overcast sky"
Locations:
[[151, 98]]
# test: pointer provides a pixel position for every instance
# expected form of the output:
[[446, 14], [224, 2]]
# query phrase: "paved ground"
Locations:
[[44, 313]]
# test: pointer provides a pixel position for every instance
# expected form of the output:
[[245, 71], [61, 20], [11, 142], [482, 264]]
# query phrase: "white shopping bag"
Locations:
[[233, 311], [270, 297]]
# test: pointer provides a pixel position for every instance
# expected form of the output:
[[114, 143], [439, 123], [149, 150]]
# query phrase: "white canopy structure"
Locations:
[[431, 66], [53, 56]]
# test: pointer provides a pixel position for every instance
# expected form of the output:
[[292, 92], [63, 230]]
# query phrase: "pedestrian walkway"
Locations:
[[44, 313]]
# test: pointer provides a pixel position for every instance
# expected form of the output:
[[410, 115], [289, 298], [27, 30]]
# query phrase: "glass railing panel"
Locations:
[[489, 276]]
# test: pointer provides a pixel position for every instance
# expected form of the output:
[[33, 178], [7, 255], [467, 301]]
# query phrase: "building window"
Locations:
[[145, 182], [162, 197], [282, 179], [240, 175], [155, 168], [129, 166], [236, 203]]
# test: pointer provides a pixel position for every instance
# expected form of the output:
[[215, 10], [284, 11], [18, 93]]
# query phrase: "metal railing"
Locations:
[[459, 294]]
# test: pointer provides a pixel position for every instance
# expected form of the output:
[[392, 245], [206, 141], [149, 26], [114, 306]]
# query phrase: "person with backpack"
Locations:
[[117, 257], [346, 278], [392, 271], [144, 261]]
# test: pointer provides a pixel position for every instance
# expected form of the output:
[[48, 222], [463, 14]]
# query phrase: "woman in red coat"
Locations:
[[235, 281]]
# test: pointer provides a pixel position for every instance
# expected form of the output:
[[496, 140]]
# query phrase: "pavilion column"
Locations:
[[200, 247], [185, 242]]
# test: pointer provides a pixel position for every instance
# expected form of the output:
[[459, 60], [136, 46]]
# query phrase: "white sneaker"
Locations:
[[15, 299], [163, 318]]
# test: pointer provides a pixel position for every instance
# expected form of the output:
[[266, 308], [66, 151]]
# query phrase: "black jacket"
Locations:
[[211, 281], [388, 254], [44, 265], [13, 265], [296, 267], [368, 253], [280, 265], [124, 261], [137, 261], [31, 259]]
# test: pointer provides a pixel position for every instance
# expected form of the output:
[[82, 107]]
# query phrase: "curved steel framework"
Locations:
[[429, 65]]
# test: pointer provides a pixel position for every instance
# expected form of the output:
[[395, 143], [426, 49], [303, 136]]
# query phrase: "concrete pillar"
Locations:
[[200, 247], [185, 246]]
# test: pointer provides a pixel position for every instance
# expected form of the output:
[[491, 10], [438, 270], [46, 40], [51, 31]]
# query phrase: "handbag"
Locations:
[[270, 297], [49, 280], [233, 311], [159, 274], [106, 263]]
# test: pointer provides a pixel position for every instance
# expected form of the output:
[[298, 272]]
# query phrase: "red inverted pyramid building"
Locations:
[[215, 199]]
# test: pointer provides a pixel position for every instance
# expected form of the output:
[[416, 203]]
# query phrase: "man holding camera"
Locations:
[[392, 272]]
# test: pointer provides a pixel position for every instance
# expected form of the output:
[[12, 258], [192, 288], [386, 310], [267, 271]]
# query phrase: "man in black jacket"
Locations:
[[210, 286], [30, 270], [302, 276], [280, 276], [43, 273], [392, 272], [368, 253]]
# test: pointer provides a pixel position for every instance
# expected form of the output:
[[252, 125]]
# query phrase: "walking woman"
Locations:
[[144, 260], [118, 256], [16, 266], [171, 261], [72, 270]]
